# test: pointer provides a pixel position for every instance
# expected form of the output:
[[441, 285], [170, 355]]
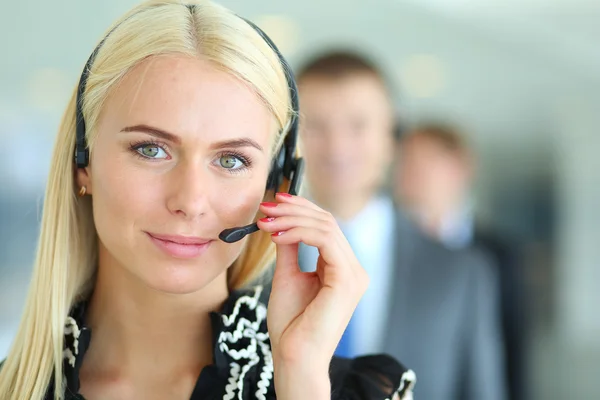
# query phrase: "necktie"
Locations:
[[346, 346]]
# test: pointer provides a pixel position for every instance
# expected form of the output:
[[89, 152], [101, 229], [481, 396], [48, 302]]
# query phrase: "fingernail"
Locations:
[[278, 233], [268, 219], [268, 204], [283, 194]]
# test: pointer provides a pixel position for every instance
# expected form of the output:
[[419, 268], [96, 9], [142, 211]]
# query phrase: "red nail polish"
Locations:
[[268, 219], [268, 204], [283, 194], [278, 233]]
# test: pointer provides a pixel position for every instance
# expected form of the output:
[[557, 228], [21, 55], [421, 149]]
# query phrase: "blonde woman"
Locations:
[[138, 292]]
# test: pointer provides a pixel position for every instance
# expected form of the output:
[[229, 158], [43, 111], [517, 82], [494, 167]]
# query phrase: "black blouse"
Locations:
[[242, 363]]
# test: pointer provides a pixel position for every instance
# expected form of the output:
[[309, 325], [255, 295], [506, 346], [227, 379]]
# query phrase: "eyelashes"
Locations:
[[137, 148], [150, 150], [245, 161]]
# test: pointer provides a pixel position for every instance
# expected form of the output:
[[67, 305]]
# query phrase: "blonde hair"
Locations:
[[66, 258]]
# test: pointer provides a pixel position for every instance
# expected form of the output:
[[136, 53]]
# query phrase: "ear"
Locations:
[[84, 178]]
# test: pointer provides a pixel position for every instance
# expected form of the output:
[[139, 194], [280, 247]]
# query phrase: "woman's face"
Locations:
[[182, 152]]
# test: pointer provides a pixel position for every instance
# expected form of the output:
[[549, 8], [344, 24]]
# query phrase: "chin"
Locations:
[[180, 279], [342, 188]]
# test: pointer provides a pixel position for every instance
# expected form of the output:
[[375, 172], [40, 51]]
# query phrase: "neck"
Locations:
[[433, 215], [343, 206], [139, 332]]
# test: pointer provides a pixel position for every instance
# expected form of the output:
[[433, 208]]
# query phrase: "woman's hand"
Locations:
[[308, 312]]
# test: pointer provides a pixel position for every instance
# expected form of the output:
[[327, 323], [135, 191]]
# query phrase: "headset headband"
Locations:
[[285, 164]]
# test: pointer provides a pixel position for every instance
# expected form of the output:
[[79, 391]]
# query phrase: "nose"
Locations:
[[336, 145], [189, 186]]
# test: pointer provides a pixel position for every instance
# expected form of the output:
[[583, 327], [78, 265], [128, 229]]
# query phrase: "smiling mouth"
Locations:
[[177, 246]]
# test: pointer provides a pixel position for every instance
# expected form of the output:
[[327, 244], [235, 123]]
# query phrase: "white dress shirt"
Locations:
[[371, 234]]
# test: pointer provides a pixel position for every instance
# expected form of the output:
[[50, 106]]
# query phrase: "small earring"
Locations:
[[82, 191]]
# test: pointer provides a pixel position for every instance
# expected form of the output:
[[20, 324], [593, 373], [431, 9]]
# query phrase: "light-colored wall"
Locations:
[[519, 75]]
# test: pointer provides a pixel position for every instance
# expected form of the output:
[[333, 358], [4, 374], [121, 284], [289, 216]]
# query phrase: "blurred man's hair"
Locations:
[[339, 64], [448, 137]]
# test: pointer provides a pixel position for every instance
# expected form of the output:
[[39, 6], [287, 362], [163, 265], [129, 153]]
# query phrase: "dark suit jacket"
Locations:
[[507, 258], [444, 319]]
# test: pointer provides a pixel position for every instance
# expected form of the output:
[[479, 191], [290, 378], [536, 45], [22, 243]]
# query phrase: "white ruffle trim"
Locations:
[[247, 357], [72, 329], [408, 378]]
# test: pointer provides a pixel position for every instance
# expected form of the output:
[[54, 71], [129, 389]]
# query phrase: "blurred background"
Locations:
[[522, 77]]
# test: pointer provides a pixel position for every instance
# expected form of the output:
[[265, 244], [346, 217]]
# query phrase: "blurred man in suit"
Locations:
[[435, 171], [431, 307]]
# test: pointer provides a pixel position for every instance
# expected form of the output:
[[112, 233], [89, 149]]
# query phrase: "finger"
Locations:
[[313, 228], [290, 216], [332, 248], [323, 232], [286, 222], [287, 259], [281, 209], [299, 200]]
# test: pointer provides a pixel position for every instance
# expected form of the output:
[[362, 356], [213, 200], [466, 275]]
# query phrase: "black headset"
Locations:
[[286, 163]]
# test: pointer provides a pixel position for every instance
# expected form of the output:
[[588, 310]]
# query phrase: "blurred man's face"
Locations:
[[346, 133], [429, 176]]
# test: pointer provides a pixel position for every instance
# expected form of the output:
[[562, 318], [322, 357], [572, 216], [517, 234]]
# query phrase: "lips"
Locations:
[[180, 246], [180, 239]]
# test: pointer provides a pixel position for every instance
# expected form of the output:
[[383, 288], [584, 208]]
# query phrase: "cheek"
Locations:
[[414, 174], [238, 204], [315, 146], [122, 198], [374, 153], [435, 178], [410, 182]]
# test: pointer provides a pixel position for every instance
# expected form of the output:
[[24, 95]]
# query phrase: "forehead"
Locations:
[[189, 96], [425, 148], [357, 92]]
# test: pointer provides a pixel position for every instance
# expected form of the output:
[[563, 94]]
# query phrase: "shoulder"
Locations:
[[373, 377]]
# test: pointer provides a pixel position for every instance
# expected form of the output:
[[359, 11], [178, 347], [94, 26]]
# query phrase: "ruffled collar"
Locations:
[[242, 365], [242, 360]]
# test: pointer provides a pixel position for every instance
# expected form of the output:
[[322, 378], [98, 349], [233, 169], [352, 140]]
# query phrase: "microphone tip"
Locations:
[[232, 235]]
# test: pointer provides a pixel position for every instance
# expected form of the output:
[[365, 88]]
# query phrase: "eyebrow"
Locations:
[[159, 133], [237, 143]]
